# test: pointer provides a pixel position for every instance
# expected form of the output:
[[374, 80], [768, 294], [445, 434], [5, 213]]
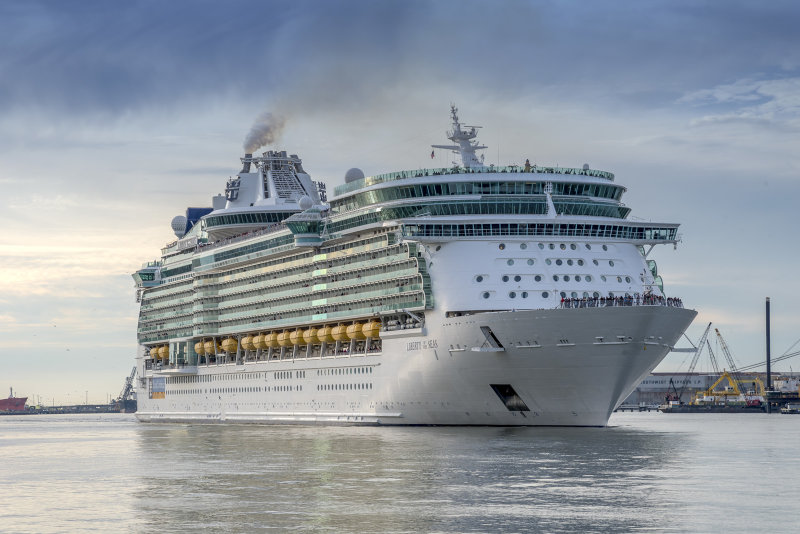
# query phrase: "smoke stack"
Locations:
[[769, 359], [246, 163]]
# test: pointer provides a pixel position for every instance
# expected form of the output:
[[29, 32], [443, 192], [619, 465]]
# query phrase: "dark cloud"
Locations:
[[112, 57]]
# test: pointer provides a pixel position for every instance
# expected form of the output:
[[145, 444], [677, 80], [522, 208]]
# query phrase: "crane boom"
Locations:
[[736, 376], [695, 358]]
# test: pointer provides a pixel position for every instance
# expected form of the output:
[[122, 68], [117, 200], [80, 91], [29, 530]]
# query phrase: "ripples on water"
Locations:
[[646, 472]]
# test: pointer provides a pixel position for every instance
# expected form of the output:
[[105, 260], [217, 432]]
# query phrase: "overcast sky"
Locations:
[[116, 116]]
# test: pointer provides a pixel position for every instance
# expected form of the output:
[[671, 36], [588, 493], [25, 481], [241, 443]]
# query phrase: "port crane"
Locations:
[[734, 378], [678, 395], [127, 389]]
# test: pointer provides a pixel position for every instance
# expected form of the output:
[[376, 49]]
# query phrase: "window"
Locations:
[[505, 278], [517, 278], [548, 261], [486, 294], [479, 278], [502, 246], [559, 262], [510, 262], [538, 278], [580, 262], [566, 278], [603, 278], [524, 294], [552, 246], [545, 294], [523, 246], [619, 279], [555, 277], [605, 247], [628, 279], [563, 246], [588, 277], [569, 262], [595, 262], [573, 246], [577, 278], [588, 246], [530, 262], [512, 295], [611, 263]]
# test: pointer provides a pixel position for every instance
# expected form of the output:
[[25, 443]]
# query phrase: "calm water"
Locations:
[[646, 472]]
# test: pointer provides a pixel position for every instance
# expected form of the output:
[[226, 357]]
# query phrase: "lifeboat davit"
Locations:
[[339, 332], [230, 345], [283, 339], [199, 348], [354, 331], [325, 334], [296, 337], [372, 329], [310, 336]]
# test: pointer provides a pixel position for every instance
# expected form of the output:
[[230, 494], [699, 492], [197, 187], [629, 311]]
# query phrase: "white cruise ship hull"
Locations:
[[566, 366]]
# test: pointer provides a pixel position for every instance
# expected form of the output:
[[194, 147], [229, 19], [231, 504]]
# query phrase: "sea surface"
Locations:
[[646, 472]]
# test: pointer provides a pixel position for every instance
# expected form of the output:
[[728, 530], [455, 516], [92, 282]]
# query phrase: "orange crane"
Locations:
[[735, 377]]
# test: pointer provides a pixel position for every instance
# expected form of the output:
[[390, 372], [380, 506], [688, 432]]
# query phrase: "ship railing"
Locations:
[[510, 169], [611, 302]]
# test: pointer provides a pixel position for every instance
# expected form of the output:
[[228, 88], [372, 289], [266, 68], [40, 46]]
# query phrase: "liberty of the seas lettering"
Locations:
[[427, 344]]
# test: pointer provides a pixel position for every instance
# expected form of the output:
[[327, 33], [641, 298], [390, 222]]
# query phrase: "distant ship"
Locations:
[[465, 295], [12, 404]]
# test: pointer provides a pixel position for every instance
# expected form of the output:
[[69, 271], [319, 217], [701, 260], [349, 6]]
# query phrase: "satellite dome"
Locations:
[[305, 202], [179, 225], [585, 166], [352, 175]]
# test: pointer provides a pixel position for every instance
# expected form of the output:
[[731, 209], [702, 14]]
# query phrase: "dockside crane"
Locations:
[[127, 389], [695, 359], [736, 378]]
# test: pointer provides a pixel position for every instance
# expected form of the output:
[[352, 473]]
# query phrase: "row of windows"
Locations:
[[608, 231], [552, 246], [343, 387], [368, 198], [257, 217], [562, 294], [345, 371]]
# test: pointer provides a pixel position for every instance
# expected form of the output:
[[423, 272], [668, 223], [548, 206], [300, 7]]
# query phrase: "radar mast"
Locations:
[[464, 136]]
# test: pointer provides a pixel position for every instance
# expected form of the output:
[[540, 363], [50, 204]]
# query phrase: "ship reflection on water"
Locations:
[[243, 478]]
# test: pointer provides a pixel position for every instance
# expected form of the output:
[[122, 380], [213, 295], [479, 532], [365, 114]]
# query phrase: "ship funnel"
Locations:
[[246, 160]]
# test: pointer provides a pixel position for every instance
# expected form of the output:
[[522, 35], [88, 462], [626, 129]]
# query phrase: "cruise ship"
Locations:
[[473, 294]]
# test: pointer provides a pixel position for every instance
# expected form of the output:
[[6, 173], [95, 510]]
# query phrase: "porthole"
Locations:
[[552, 246], [545, 294], [523, 246], [580, 262], [628, 279], [588, 277], [569, 262], [548, 261], [563, 246], [603, 278], [588, 246], [505, 278], [573, 246], [611, 263], [541, 245], [619, 279], [538, 278], [563, 294], [574, 295], [586, 294], [530, 262], [502, 246], [479, 278], [512, 295], [559, 262], [486, 294], [595, 262], [555, 277], [517, 278], [605, 247], [577, 278], [596, 295], [510, 262], [524, 294], [566, 278]]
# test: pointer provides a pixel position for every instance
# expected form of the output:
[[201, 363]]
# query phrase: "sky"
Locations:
[[116, 116]]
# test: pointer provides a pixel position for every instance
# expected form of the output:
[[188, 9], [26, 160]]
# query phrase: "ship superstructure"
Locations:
[[519, 295]]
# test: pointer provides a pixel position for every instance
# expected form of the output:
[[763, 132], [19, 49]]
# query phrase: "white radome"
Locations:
[[353, 174], [179, 225], [305, 202]]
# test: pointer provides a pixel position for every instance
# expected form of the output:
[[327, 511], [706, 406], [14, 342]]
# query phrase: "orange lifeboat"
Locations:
[[163, 351], [325, 334], [230, 345], [154, 353], [339, 332], [310, 336], [296, 337], [199, 348], [260, 341], [372, 329], [271, 340], [283, 339], [211, 347], [247, 343], [354, 331]]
